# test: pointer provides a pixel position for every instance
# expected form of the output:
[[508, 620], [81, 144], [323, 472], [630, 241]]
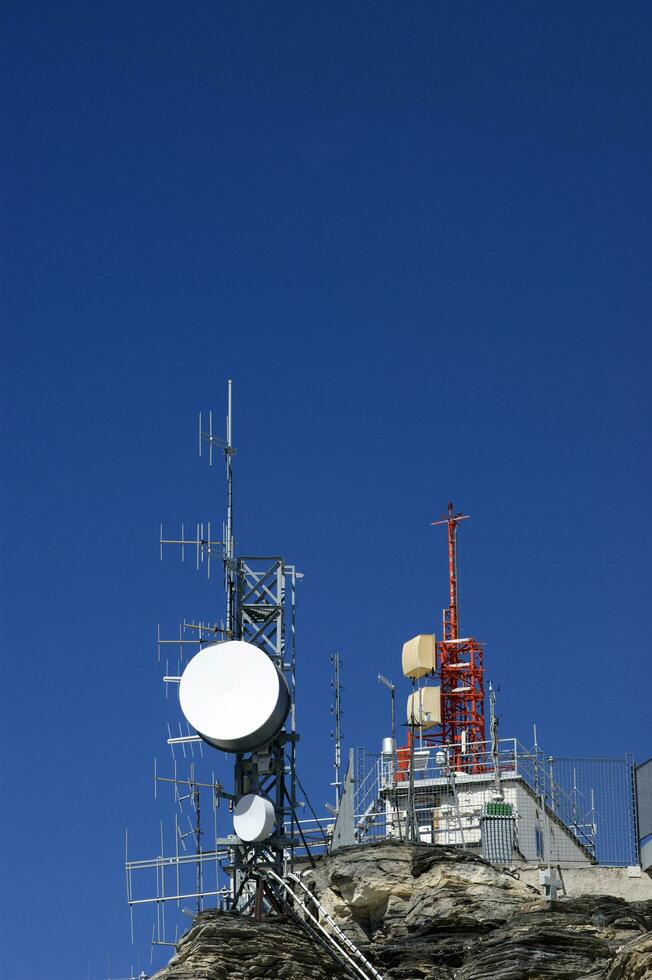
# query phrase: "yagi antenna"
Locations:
[[228, 544], [205, 546], [208, 436]]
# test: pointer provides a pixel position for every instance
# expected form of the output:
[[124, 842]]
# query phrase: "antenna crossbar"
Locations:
[[205, 546]]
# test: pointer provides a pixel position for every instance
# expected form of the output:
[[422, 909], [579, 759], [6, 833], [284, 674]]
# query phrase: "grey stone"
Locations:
[[633, 961], [422, 912]]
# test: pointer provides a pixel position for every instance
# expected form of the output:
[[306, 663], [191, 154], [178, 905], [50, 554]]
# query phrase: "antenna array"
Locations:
[[215, 865]]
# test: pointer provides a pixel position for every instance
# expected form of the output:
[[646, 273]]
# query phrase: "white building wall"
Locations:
[[540, 836]]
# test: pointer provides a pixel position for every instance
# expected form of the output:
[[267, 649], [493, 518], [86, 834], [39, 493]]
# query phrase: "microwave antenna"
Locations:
[[252, 653]]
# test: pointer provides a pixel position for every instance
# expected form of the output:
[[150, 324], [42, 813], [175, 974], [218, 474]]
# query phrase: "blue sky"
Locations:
[[417, 236]]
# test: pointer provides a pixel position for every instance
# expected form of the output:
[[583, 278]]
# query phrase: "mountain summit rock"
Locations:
[[422, 912]]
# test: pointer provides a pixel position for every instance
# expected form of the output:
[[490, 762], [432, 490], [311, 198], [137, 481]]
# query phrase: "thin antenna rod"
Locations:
[[391, 687], [229, 574], [337, 734], [451, 615], [493, 728]]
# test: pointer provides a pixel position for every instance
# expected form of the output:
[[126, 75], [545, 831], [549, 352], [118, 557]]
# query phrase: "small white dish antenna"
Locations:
[[234, 696], [253, 818]]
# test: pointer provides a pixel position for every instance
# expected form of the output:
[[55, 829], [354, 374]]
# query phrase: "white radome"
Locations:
[[253, 818], [234, 696]]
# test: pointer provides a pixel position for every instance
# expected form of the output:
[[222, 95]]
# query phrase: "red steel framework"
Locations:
[[460, 665], [461, 676]]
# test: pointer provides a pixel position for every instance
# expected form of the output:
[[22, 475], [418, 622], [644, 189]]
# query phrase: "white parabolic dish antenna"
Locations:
[[234, 696], [253, 818]]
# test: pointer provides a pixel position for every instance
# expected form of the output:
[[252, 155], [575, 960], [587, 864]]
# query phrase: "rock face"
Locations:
[[421, 912], [226, 946], [634, 962]]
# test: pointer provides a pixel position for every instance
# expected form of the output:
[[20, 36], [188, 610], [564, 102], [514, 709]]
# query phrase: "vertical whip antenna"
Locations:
[[229, 570], [451, 615], [228, 544]]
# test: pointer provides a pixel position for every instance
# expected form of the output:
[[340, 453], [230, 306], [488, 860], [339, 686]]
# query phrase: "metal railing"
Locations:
[[569, 810], [314, 916]]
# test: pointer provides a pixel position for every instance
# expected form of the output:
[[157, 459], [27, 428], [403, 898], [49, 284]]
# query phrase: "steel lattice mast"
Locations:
[[460, 664]]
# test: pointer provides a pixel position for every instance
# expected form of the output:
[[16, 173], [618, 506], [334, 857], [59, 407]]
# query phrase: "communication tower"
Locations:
[[238, 695], [459, 663]]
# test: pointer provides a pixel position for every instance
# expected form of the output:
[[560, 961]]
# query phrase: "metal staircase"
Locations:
[[313, 914]]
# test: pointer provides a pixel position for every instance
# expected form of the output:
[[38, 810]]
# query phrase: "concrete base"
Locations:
[[596, 880], [646, 855]]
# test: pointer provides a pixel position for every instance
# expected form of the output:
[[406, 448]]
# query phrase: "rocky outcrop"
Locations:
[[634, 961], [422, 912], [391, 890], [227, 946]]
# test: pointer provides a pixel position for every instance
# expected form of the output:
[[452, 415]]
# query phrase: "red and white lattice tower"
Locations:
[[460, 668]]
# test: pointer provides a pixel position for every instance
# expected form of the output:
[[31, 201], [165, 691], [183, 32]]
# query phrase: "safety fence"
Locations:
[[513, 804], [561, 809]]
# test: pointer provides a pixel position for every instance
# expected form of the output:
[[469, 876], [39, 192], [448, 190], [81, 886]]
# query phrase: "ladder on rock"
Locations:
[[333, 938]]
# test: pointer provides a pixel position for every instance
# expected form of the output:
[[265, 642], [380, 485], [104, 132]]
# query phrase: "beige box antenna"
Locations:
[[419, 656], [424, 707]]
